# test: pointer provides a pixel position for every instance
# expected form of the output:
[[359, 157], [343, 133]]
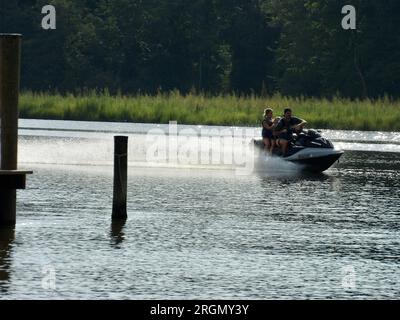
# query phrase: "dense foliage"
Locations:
[[296, 47]]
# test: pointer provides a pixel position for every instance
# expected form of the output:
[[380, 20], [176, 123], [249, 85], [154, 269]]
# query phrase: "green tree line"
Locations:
[[294, 47]]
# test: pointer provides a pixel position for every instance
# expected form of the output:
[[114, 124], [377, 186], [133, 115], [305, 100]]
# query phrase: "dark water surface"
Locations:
[[202, 233]]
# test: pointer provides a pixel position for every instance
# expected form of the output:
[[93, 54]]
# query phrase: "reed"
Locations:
[[226, 109]]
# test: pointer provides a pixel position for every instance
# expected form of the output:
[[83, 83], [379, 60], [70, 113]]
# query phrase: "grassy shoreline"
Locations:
[[338, 113]]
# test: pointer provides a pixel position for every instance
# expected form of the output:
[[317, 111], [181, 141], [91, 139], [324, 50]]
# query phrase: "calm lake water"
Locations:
[[200, 230]]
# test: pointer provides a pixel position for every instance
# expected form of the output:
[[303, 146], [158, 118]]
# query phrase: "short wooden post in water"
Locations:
[[120, 178], [10, 61]]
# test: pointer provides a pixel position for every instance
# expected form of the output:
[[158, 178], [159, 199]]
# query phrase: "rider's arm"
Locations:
[[302, 123], [266, 126], [279, 132]]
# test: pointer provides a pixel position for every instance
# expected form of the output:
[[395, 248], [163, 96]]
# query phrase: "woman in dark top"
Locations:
[[268, 125]]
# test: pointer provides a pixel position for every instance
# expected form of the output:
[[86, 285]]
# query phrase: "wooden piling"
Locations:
[[7, 236], [119, 211], [10, 62], [117, 231]]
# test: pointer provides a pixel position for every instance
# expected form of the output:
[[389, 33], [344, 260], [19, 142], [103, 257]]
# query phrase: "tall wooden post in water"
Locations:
[[10, 178], [120, 178], [10, 61]]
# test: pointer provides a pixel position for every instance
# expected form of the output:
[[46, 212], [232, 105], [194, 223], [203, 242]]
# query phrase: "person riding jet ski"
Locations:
[[285, 128], [308, 149]]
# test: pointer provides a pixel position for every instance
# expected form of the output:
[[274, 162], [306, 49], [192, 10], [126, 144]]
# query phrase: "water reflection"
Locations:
[[7, 236], [117, 232]]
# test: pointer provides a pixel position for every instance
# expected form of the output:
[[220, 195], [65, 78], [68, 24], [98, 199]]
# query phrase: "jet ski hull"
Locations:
[[315, 160], [312, 152]]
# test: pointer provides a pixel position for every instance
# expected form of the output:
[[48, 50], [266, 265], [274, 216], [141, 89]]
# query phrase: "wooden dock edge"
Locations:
[[13, 179]]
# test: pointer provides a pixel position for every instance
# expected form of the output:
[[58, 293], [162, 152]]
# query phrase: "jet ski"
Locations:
[[308, 149]]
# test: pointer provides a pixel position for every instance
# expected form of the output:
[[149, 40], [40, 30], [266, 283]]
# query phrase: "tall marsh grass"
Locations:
[[338, 113]]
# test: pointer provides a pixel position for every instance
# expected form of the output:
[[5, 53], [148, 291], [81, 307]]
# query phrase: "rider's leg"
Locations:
[[273, 143], [284, 145], [267, 144]]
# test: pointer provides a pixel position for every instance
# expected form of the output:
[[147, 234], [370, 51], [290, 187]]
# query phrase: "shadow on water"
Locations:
[[7, 236], [117, 234], [299, 185], [294, 176]]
